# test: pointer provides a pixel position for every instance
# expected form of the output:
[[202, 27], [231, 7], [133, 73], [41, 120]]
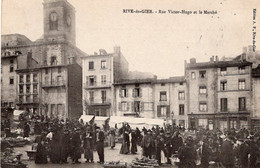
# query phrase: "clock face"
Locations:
[[68, 20], [54, 16]]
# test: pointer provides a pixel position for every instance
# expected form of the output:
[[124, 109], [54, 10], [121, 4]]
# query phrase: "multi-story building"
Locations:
[[100, 71], [255, 117], [219, 93], [57, 64], [134, 98]]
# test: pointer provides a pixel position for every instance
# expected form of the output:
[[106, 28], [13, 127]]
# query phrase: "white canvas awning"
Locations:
[[17, 113], [99, 120]]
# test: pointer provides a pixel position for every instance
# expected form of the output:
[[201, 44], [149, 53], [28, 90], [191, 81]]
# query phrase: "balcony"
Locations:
[[97, 85], [234, 72], [28, 101], [54, 83], [100, 102]]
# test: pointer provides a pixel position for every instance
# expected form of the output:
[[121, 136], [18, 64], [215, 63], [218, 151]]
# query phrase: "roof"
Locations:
[[135, 81], [176, 79]]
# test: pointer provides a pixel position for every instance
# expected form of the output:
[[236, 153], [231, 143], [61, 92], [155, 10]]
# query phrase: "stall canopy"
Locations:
[[99, 120], [119, 120], [17, 113]]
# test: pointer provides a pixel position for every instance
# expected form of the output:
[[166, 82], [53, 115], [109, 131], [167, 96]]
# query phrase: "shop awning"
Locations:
[[17, 113], [99, 120]]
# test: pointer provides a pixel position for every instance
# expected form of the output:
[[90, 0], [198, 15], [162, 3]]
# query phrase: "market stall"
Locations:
[[99, 120]]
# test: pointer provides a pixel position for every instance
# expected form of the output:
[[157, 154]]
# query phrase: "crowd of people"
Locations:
[[58, 140]]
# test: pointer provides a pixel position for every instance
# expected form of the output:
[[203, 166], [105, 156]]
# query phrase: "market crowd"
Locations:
[[58, 140]]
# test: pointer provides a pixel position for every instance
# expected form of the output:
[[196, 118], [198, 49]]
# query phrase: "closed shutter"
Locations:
[[119, 106], [128, 106], [158, 111], [120, 93], [141, 106], [168, 111], [132, 107], [133, 93], [140, 92], [87, 80], [95, 80], [126, 93]]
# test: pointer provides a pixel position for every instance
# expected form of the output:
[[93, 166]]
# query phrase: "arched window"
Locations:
[[53, 21]]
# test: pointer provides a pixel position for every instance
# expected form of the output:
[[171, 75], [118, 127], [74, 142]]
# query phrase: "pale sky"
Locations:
[[157, 43]]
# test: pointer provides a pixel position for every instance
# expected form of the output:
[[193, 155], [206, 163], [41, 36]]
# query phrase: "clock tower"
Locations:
[[59, 21]]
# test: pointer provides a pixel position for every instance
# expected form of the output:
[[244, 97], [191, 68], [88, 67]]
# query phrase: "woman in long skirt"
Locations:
[[112, 136], [125, 144], [88, 147]]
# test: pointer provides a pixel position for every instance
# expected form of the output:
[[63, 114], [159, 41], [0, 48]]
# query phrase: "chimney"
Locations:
[[193, 60], [244, 50], [29, 59], [211, 59], [217, 58], [117, 49]]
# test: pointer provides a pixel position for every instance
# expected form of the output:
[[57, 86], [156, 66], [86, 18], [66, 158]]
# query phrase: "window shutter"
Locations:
[[87, 80], [133, 93], [95, 79], [128, 106], [141, 106], [140, 92], [168, 111], [120, 93], [132, 107], [126, 93], [158, 111], [119, 106]]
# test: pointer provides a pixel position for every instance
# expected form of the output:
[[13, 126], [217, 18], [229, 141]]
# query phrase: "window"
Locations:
[[123, 92], [181, 83], [163, 111], [35, 98], [103, 79], [137, 106], [28, 78], [163, 84], [11, 68], [181, 109], [202, 74], [223, 105], [203, 123], [124, 106], [203, 89], [59, 69], [91, 96], [242, 103], [181, 95], [35, 78], [20, 99], [91, 65], [21, 79], [223, 85], [103, 96], [35, 88], [11, 80], [46, 71], [11, 61], [27, 98], [203, 106], [71, 60], [53, 60], [137, 92], [241, 84], [223, 70], [193, 76], [21, 89], [103, 64], [53, 21], [242, 69], [163, 96], [148, 106], [92, 80], [27, 88]]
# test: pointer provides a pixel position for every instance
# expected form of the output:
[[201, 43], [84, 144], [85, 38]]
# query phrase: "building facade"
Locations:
[[53, 60]]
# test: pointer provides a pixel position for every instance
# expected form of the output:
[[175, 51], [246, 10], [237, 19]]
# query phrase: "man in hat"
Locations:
[[187, 154], [167, 149], [148, 144], [227, 153], [76, 144], [177, 142], [65, 146], [100, 144], [159, 146]]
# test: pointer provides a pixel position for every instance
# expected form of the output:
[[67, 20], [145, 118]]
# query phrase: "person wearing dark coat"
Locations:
[[187, 154], [56, 146], [227, 153], [41, 152], [133, 142], [125, 144], [76, 144], [167, 149], [253, 149], [177, 142], [65, 146], [148, 144], [206, 153], [88, 146], [26, 130], [100, 145], [159, 147], [243, 152]]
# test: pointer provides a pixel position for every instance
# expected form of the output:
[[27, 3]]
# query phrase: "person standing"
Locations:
[[112, 136], [187, 154], [177, 142], [148, 144], [41, 152], [227, 153], [125, 144], [100, 145], [26, 130], [88, 146], [76, 144], [133, 142], [65, 146], [159, 146]]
